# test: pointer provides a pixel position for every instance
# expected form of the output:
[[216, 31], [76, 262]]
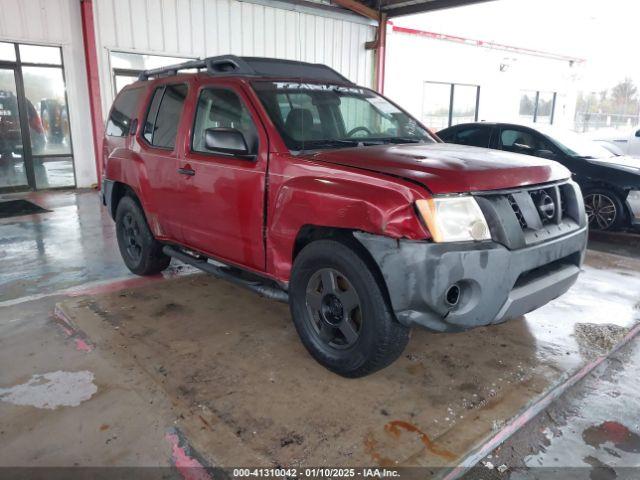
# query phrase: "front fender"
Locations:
[[351, 200]]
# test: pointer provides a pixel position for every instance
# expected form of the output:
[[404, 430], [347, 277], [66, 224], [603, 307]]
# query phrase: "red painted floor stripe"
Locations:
[[521, 420], [188, 467]]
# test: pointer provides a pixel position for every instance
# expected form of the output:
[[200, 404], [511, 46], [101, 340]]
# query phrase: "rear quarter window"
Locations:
[[123, 112]]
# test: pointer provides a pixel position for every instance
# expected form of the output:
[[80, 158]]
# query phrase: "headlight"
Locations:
[[633, 199], [454, 219]]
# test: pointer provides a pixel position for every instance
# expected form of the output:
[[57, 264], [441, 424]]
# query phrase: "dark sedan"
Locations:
[[610, 183]]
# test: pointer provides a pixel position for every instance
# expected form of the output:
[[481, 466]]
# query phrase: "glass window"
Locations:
[[53, 172], [521, 141], [317, 115], [476, 136], [545, 108], [165, 126], [465, 99], [223, 108], [40, 54], [47, 109], [12, 171], [438, 98], [152, 114], [537, 106], [527, 105], [7, 52], [435, 105], [123, 111]]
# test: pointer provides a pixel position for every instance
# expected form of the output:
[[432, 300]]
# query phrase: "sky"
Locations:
[[606, 33]]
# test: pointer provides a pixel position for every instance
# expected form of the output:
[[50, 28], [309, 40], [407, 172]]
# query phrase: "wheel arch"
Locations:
[[310, 233]]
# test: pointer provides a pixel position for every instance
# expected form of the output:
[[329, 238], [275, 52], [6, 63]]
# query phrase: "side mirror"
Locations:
[[226, 140], [638, 133]]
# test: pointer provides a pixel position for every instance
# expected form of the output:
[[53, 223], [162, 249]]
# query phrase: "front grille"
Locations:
[[539, 197], [517, 211], [527, 216]]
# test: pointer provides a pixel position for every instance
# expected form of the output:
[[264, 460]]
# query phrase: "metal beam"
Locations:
[[358, 7], [409, 7], [93, 79]]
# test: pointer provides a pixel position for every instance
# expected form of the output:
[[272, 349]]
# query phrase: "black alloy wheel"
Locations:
[[132, 237], [603, 210], [334, 309]]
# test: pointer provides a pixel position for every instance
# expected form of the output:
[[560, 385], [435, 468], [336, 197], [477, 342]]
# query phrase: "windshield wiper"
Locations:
[[329, 143], [402, 140]]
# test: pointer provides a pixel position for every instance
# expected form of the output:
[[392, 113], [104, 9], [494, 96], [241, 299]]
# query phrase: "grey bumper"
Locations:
[[496, 284], [106, 192]]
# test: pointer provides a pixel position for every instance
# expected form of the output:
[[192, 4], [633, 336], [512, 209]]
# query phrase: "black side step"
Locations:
[[262, 289]]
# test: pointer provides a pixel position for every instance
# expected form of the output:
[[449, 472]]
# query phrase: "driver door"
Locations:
[[223, 194], [526, 142]]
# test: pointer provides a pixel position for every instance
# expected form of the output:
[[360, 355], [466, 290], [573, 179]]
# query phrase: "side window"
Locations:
[[520, 141], [222, 108], [123, 112], [152, 114], [161, 125], [476, 137]]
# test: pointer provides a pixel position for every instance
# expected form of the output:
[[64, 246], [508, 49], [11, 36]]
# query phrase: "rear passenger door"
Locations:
[[158, 149], [222, 194]]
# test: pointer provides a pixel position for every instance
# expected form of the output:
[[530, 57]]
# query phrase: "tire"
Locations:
[[141, 252], [351, 335], [605, 210]]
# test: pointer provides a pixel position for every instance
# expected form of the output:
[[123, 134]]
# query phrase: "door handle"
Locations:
[[187, 171]]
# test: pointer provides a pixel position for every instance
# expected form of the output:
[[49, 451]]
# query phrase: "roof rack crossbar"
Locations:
[[220, 65]]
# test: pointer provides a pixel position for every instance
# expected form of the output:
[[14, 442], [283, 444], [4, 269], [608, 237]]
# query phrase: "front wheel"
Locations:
[[604, 208], [340, 311], [141, 252]]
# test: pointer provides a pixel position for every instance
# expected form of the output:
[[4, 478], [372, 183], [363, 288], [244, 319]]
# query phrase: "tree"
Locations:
[[624, 98]]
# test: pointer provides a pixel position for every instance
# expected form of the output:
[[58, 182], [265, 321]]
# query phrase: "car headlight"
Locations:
[[454, 219], [633, 199]]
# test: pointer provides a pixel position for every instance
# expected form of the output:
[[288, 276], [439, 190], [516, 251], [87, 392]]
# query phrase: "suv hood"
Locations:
[[448, 168]]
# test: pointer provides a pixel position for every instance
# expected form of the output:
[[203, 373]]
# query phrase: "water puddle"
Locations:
[[616, 433]]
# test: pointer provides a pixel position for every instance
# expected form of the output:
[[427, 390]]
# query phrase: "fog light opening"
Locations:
[[452, 297]]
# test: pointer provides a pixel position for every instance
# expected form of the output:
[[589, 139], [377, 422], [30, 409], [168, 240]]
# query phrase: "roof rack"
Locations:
[[251, 66]]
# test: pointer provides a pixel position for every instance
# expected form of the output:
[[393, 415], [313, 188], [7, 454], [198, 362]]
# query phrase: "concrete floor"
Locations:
[[183, 368]]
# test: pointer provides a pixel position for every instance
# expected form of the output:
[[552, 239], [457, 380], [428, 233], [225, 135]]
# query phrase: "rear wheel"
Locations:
[[141, 252], [340, 311], [604, 208]]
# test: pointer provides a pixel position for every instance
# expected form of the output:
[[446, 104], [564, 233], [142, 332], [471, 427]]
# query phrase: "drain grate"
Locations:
[[16, 208]]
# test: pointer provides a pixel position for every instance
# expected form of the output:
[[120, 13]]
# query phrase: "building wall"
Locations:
[[58, 23], [435, 60], [182, 28], [201, 28]]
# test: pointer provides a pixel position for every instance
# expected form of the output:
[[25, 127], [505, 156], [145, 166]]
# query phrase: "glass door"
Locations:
[[13, 172]]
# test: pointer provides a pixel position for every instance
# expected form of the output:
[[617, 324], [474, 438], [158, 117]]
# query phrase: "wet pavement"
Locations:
[[592, 432], [226, 369]]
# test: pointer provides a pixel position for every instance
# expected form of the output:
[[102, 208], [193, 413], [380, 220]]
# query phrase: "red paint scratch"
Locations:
[[83, 346], [188, 467]]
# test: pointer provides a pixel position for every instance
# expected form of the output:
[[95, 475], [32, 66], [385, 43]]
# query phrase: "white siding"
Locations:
[[58, 22], [200, 28], [435, 60]]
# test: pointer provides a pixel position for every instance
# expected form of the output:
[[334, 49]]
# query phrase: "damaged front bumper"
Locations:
[[494, 284]]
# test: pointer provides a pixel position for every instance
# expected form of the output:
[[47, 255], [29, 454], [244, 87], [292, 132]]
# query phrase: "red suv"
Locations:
[[290, 180]]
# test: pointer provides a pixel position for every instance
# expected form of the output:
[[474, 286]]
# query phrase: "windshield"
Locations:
[[312, 116], [576, 145]]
